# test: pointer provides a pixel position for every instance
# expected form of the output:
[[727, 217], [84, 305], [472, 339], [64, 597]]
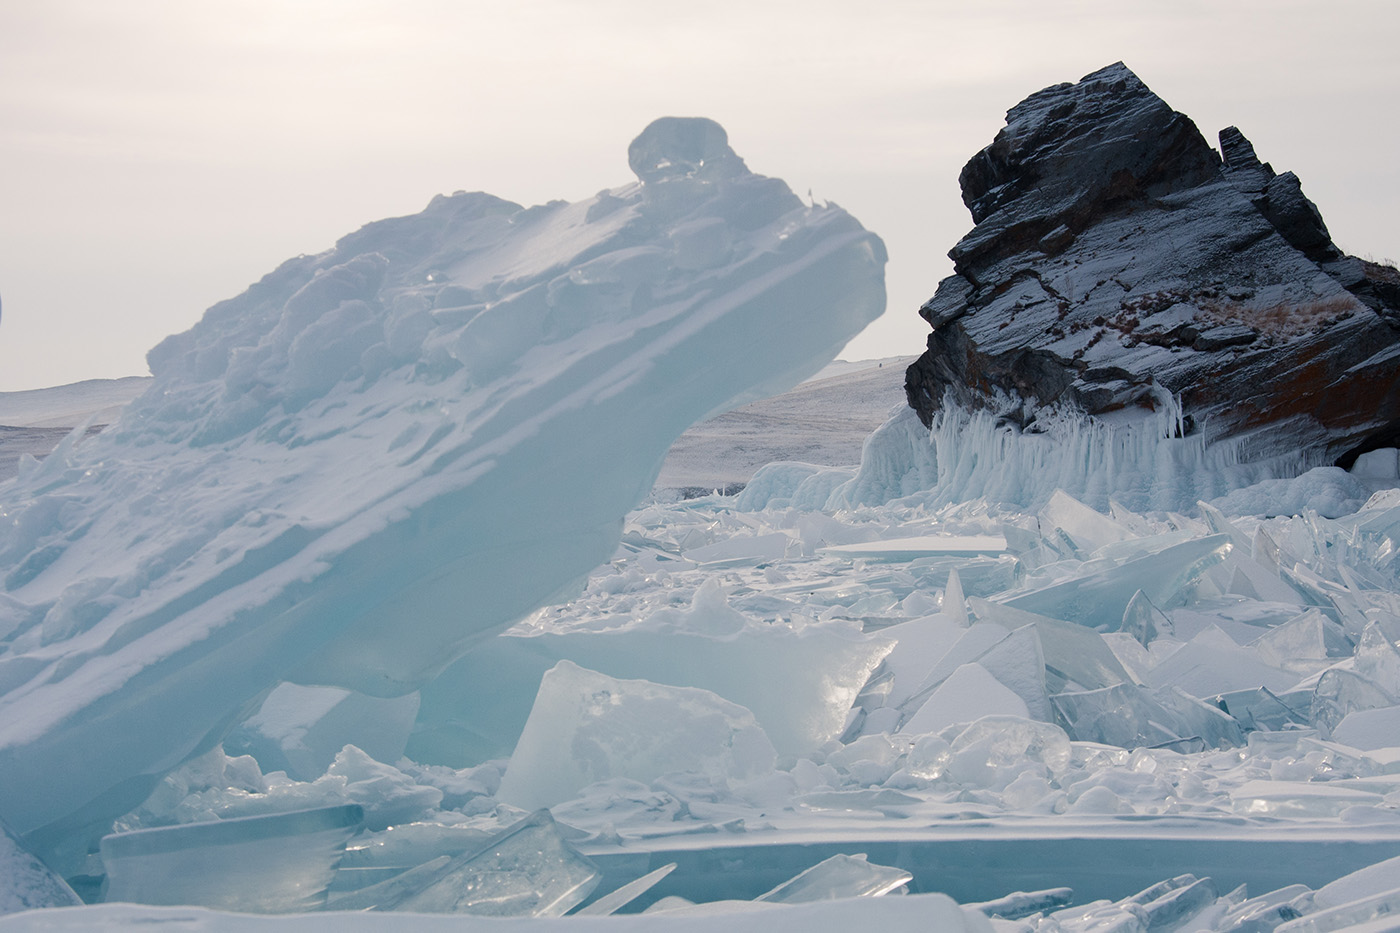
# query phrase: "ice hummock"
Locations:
[[379, 454]]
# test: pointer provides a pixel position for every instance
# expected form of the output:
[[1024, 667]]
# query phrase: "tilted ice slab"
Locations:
[[378, 454]]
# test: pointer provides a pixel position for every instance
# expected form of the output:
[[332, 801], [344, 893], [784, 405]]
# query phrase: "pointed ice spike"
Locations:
[[612, 902], [838, 876], [1265, 551], [1144, 621], [1219, 524], [954, 604]]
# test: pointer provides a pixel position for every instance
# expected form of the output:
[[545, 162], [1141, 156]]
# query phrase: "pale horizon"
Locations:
[[160, 157]]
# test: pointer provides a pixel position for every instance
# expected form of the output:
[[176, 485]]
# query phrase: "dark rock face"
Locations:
[[1117, 255]]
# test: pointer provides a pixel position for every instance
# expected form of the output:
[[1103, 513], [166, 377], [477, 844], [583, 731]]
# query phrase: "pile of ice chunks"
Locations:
[[1218, 668], [297, 862]]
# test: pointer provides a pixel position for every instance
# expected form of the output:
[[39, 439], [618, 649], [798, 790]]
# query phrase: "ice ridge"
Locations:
[[381, 453]]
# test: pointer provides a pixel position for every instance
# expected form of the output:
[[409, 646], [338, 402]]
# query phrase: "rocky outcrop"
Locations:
[[1117, 255]]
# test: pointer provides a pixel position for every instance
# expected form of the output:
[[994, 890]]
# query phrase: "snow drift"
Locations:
[[381, 453]]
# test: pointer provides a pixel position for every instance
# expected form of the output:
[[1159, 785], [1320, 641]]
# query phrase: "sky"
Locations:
[[158, 156]]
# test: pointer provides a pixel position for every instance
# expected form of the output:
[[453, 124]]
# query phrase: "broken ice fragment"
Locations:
[[1185, 897], [969, 693], [1073, 654], [1024, 903], [837, 877], [587, 727], [257, 864], [528, 870], [1131, 717], [1144, 621], [1213, 663], [1262, 709], [614, 901], [1375, 914], [1099, 599], [1087, 528], [1341, 692]]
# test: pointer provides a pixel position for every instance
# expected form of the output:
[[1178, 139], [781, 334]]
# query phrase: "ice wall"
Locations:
[[381, 453], [1145, 462]]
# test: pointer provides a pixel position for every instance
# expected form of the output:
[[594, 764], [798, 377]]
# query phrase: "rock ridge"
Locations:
[[1117, 257]]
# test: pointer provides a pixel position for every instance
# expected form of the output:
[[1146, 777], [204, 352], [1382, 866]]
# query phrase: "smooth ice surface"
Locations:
[[587, 727], [261, 864], [351, 472]]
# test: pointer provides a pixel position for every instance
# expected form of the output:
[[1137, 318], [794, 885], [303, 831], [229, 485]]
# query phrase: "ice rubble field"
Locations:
[[1071, 685], [1032, 679]]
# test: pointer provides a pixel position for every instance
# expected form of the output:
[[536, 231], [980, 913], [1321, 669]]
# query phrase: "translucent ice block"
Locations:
[[587, 727], [836, 877], [257, 864], [529, 870]]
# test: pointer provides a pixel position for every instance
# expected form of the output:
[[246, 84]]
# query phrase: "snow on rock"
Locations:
[[379, 454], [587, 727]]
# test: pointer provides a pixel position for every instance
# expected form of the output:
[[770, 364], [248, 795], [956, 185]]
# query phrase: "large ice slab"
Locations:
[[588, 727], [365, 462], [799, 681], [258, 864]]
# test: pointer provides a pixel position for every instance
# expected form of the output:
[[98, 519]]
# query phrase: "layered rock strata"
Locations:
[[1117, 257]]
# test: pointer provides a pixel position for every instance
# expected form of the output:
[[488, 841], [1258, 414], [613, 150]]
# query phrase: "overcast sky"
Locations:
[[157, 156]]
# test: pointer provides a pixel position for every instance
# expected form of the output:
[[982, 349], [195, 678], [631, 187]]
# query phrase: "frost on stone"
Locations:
[[282, 863], [366, 463], [587, 727]]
